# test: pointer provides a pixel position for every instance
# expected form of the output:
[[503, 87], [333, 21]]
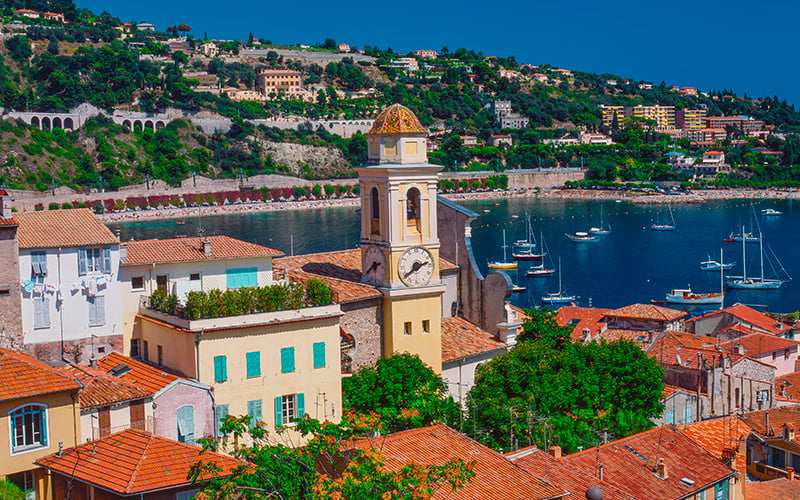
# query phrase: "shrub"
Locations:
[[53, 206], [316, 191], [66, 206], [317, 293], [81, 204], [300, 192], [38, 207], [329, 190]]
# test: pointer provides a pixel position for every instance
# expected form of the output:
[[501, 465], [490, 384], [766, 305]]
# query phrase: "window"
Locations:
[[28, 428], [137, 283], [794, 461], [185, 417], [319, 355], [736, 398], [774, 354], [188, 494], [375, 211], [24, 480], [194, 277], [97, 311], [412, 207], [254, 410], [287, 360], [135, 348], [161, 283], [242, 277], [407, 328], [222, 414], [426, 326], [721, 490], [220, 368], [38, 263], [669, 417], [253, 364], [687, 415], [94, 260], [5, 291], [777, 457], [41, 312], [146, 350], [160, 355], [288, 408]]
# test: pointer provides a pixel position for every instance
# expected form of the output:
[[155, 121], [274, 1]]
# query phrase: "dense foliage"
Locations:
[[402, 391], [548, 390]]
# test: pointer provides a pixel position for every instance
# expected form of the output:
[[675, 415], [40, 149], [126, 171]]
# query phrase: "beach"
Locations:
[[699, 196]]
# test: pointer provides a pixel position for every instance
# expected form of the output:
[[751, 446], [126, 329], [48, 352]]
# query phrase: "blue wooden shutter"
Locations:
[[254, 410], [669, 417], [319, 355], [301, 405], [287, 359], [687, 415], [220, 368], [253, 364], [81, 261], [185, 418], [278, 412], [41, 312], [107, 260], [222, 414], [43, 424]]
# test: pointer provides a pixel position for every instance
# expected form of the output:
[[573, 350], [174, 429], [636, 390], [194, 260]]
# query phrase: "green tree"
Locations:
[[403, 392], [10, 491], [19, 48]]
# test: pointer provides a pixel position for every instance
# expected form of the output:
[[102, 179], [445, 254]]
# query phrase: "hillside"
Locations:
[[45, 66]]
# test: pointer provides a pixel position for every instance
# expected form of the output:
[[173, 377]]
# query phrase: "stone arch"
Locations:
[[414, 208], [46, 123], [57, 122], [69, 124], [127, 124], [150, 124], [35, 122], [159, 125], [137, 125]]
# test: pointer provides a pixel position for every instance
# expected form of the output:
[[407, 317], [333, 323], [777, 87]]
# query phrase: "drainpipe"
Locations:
[[197, 354], [61, 311]]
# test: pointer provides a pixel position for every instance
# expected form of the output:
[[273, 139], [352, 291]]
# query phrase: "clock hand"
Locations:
[[373, 267], [414, 268]]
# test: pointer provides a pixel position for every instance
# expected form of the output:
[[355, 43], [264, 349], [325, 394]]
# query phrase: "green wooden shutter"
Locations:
[[222, 414], [43, 425], [319, 355], [241, 277], [185, 418], [107, 260], [220, 368], [301, 405], [287, 359], [81, 261], [254, 410], [687, 415], [253, 364], [669, 417], [278, 412]]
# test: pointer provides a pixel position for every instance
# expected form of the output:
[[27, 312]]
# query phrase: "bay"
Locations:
[[633, 264]]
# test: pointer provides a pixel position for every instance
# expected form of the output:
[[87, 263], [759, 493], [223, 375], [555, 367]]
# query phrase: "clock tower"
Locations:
[[399, 241]]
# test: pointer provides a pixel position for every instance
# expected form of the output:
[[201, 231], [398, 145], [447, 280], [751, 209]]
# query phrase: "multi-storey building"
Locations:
[[10, 299], [691, 119], [279, 81], [69, 269], [744, 123], [663, 116], [505, 116]]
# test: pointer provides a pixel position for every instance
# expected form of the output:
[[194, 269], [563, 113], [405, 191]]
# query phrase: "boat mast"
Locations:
[[721, 273], [504, 245], [761, 248], [744, 258], [559, 276]]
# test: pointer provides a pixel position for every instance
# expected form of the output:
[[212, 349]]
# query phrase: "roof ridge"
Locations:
[[142, 457], [618, 441]]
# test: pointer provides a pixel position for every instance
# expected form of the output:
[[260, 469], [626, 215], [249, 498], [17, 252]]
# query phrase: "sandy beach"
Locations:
[[700, 196]]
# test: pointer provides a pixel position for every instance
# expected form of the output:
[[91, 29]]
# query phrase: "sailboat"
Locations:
[[526, 249], [503, 264], [685, 296], [760, 282], [713, 265], [559, 298], [602, 230], [657, 226], [541, 271]]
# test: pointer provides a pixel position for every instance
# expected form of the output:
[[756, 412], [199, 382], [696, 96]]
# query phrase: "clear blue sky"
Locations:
[[750, 47]]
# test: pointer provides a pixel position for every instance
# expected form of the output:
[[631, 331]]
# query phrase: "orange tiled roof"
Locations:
[[340, 269], [582, 317], [496, 477], [62, 228], [563, 475], [789, 384], [191, 249], [641, 338], [149, 378], [629, 464], [669, 390], [100, 388], [134, 461], [647, 311], [777, 489], [759, 343], [23, 376], [750, 316], [757, 420], [8, 221], [721, 438], [461, 339], [397, 119]]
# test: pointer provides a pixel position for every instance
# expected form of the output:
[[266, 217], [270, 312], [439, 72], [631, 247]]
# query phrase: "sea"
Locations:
[[631, 265]]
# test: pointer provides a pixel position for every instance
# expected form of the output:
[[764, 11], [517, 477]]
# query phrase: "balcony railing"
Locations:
[[148, 424]]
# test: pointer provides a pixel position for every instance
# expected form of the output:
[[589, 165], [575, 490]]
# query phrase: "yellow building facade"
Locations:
[[399, 239]]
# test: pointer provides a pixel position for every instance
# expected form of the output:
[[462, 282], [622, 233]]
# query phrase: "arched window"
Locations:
[[375, 211], [413, 208], [28, 427], [347, 346]]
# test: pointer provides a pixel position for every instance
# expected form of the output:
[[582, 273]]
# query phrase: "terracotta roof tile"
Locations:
[[62, 228], [191, 249], [759, 343], [23, 376], [721, 437], [787, 387], [100, 388], [134, 461], [749, 316], [496, 477], [147, 377], [629, 464], [563, 475], [580, 318], [460, 339], [10, 222], [643, 339], [647, 311], [397, 119], [757, 420], [777, 489]]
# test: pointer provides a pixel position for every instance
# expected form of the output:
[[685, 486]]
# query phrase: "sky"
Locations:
[[750, 47]]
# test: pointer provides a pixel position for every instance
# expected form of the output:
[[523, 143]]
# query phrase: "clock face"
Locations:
[[374, 265], [416, 266]]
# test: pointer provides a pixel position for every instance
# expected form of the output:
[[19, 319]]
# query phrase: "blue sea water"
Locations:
[[633, 264]]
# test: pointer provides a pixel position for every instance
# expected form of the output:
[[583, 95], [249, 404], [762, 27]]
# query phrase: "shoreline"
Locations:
[[577, 194]]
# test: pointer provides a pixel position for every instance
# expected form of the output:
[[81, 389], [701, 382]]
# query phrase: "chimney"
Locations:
[[600, 472], [5, 204], [555, 451], [766, 423], [661, 469], [739, 349], [207, 246], [123, 252], [790, 473]]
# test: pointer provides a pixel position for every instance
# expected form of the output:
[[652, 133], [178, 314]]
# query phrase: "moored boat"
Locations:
[[771, 211], [559, 297], [687, 296], [582, 237], [503, 264], [713, 265]]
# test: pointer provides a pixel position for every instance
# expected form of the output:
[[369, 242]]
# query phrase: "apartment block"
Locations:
[[691, 119]]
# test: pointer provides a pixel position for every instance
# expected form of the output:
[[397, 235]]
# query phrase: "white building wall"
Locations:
[[69, 309], [459, 375]]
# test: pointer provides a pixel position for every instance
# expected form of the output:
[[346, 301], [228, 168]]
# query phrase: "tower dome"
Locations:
[[395, 120], [397, 137]]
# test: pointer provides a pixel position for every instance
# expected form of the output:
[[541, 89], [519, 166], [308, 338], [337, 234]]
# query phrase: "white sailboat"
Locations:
[[602, 230], [744, 282], [685, 296], [526, 249], [505, 263], [658, 226], [541, 270], [559, 298]]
